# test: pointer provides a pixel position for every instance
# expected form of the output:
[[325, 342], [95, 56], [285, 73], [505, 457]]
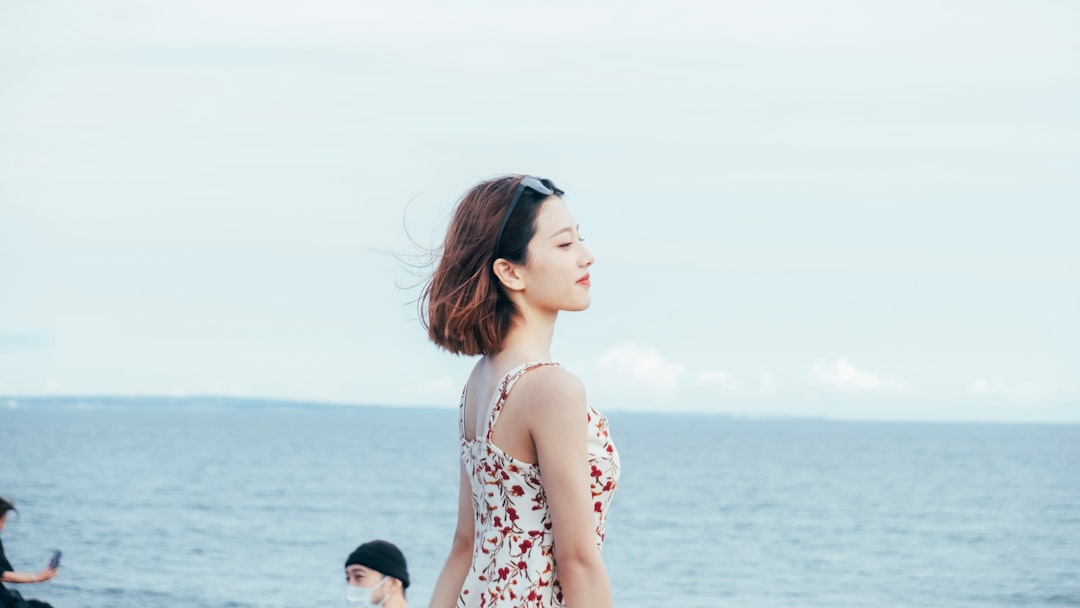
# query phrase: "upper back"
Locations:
[[498, 403]]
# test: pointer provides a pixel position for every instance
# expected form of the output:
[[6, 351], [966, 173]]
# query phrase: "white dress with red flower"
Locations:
[[513, 561]]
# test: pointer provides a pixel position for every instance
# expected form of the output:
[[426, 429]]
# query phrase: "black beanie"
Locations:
[[383, 557]]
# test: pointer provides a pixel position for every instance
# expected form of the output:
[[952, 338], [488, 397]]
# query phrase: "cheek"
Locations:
[[556, 283], [553, 268]]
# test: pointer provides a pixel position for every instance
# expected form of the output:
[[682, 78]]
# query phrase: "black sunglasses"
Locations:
[[526, 182]]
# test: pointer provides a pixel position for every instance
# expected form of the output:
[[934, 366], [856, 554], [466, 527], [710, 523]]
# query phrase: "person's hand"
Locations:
[[46, 574]]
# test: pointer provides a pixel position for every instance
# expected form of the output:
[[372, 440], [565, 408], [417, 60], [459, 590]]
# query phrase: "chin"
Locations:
[[578, 306]]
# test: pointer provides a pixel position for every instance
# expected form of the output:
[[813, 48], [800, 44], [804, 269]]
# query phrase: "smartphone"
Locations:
[[54, 561]]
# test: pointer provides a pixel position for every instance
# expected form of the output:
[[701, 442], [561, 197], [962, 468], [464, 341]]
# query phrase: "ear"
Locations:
[[507, 273]]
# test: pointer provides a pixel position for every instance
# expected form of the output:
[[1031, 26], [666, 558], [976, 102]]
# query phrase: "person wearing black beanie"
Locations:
[[376, 575]]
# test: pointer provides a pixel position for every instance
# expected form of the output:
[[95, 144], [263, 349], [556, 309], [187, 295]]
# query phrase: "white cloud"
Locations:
[[633, 364], [983, 387], [1023, 393], [841, 375], [719, 379]]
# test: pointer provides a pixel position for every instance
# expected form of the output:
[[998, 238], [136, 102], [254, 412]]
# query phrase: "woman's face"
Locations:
[[3, 519], [556, 272]]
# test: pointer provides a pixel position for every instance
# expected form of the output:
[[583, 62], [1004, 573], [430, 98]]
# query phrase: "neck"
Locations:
[[531, 334], [395, 601]]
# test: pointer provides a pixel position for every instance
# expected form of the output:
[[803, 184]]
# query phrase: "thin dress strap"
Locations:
[[503, 391], [461, 411]]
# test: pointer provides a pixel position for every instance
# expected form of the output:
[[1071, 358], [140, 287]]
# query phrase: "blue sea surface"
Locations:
[[228, 503]]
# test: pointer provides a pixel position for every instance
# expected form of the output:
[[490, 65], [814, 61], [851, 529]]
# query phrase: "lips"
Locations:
[[584, 281]]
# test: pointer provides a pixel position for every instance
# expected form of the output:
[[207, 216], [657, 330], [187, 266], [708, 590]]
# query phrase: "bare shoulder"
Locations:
[[553, 388]]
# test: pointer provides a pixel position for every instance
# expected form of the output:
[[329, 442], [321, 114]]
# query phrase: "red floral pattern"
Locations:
[[513, 555]]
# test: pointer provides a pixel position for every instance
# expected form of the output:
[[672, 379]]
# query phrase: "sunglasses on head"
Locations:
[[526, 182]]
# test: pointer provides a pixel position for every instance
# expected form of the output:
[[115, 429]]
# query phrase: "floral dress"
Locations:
[[513, 563]]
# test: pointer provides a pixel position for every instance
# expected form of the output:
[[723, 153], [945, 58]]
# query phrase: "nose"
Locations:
[[587, 258]]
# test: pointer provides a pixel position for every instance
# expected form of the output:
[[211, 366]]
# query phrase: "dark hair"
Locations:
[[6, 504], [464, 306]]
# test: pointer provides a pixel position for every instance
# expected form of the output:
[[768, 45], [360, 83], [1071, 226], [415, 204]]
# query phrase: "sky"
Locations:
[[832, 209]]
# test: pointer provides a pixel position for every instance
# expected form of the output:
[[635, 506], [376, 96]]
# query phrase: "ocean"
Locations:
[[232, 503]]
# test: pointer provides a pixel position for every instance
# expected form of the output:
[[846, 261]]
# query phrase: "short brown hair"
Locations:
[[463, 305]]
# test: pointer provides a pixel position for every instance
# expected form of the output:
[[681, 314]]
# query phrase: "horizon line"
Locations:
[[11, 402]]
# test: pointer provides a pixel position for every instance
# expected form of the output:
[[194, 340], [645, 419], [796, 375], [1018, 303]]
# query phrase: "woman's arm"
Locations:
[[559, 427], [25, 577], [452, 577]]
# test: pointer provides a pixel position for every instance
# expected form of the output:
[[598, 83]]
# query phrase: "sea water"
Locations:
[[229, 503]]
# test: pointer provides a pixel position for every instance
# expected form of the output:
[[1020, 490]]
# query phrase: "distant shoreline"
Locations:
[[229, 403]]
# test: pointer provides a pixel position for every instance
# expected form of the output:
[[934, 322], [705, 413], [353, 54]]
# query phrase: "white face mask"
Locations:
[[360, 597]]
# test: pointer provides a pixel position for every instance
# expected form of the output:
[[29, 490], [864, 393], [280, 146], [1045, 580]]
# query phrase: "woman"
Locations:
[[8, 574], [513, 258]]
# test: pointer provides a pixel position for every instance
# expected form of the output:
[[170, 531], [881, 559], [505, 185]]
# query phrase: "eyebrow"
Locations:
[[562, 230]]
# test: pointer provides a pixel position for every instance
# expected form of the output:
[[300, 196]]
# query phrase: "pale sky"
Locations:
[[841, 209]]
